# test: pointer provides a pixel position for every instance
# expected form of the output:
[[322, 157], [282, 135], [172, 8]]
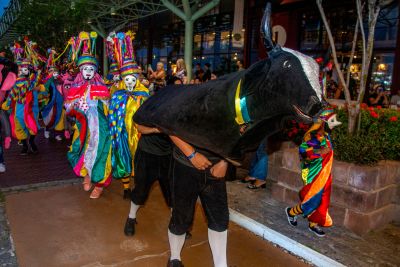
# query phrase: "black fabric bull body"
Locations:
[[284, 84], [204, 115]]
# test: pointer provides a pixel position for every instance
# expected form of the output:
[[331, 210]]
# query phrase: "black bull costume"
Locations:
[[234, 113]]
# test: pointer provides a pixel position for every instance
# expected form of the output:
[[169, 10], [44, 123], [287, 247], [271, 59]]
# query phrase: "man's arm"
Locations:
[[147, 130], [198, 160]]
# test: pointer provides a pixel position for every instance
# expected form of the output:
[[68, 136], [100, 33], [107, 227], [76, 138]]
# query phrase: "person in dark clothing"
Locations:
[[207, 73], [197, 173], [199, 72], [151, 163], [6, 131]]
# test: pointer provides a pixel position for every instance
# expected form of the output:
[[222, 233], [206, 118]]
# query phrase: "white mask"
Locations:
[[23, 71], [88, 71], [130, 82], [55, 74], [333, 122]]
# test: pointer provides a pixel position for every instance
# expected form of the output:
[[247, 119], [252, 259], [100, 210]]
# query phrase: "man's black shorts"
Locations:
[[187, 184], [148, 169]]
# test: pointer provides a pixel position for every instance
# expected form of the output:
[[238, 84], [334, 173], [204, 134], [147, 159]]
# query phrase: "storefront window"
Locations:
[[225, 38], [382, 70], [208, 42], [197, 42]]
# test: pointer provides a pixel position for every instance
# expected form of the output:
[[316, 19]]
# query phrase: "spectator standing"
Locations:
[[157, 76], [181, 72], [198, 74], [207, 72]]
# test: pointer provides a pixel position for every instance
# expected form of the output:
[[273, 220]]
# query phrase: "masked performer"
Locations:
[[23, 103], [87, 103], [127, 97], [53, 113], [316, 156]]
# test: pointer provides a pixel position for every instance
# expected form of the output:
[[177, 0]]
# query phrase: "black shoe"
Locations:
[[24, 151], [291, 219], [316, 230], [34, 148], [253, 186], [127, 194], [188, 235], [129, 228], [174, 263]]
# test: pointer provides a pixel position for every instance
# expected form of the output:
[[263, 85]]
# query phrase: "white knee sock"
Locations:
[[218, 242], [133, 210], [176, 244]]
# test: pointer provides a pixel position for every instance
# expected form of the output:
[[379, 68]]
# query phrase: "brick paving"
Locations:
[[50, 164]]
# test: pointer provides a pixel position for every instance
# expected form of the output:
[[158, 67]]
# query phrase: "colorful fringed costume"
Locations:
[[23, 103], [124, 134], [53, 112], [316, 174], [87, 103], [127, 96], [316, 154]]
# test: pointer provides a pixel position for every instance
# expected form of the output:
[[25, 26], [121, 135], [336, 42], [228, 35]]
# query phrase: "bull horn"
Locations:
[[266, 28]]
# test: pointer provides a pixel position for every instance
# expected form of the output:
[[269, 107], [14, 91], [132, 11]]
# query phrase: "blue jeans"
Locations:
[[259, 164]]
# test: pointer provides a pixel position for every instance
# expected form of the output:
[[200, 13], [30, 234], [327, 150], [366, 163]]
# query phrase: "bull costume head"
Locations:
[[234, 113]]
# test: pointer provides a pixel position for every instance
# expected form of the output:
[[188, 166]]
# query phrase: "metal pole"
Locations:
[[189, 19]]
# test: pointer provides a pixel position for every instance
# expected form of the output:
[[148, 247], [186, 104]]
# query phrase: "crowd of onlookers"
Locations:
[[376, 95], [177, 74]]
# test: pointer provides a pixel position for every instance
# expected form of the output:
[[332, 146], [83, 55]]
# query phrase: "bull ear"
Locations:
[[266, 30]]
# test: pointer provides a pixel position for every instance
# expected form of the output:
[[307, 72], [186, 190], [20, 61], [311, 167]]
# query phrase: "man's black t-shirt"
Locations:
[[156, 144]]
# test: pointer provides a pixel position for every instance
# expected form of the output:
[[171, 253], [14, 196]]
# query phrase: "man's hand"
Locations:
[[200, 162], [147, 130], [219, 169]]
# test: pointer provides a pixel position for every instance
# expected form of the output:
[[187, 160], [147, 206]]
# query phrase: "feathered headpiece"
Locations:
[[123, 52]]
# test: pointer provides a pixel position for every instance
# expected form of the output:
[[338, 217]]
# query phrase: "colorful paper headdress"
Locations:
[[123, 52], [51, 64], [83, 49], [18, 53], [32, 53]]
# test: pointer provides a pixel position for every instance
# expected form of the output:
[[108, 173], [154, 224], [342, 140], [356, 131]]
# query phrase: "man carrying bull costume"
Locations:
[[228, 116], [23, 103], [53, 112], [87, 102], [127, 97], [316, 156]]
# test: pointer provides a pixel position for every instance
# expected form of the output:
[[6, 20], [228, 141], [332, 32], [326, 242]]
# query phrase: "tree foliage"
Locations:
[[51, 23]]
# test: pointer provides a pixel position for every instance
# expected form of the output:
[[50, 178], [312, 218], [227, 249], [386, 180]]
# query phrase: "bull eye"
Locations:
[[287, 64]]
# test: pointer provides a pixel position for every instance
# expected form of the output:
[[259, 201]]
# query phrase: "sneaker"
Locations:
[[174, 263], [127, 194], [46, 134], [58, 138], [2, 167], [129, 228], [291, 219], [317, 230]]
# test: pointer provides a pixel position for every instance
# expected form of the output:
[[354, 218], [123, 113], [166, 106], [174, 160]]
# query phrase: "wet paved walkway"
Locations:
[[50, 164], [61, 226]]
